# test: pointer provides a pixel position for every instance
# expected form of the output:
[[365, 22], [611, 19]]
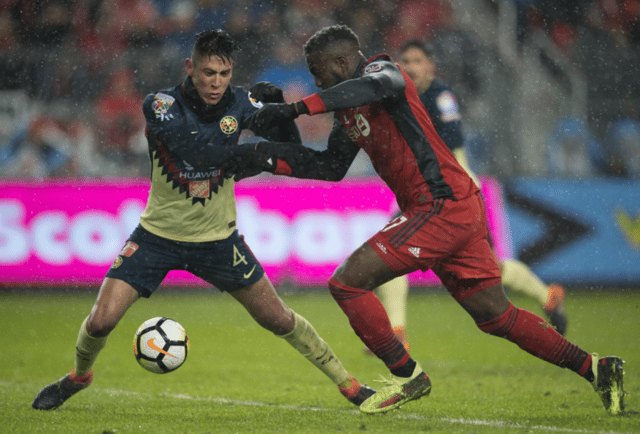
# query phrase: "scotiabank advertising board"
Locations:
[[68, 232]]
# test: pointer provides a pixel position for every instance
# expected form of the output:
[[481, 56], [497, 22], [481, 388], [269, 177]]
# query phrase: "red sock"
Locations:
[[370, 322], [85, 379], [537, 337]]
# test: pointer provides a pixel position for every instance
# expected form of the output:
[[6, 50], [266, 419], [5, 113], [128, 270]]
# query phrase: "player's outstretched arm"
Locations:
[[299, 161], [381, 80], [294, 160]]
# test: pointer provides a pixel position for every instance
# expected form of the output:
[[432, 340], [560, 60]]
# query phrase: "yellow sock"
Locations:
[[518, 277], [87, 350], [393, 296], [306, 340]]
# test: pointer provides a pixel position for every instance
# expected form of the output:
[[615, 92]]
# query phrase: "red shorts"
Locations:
[[449, 237]]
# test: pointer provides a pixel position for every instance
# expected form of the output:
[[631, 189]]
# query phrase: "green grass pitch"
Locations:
[[238, 378]]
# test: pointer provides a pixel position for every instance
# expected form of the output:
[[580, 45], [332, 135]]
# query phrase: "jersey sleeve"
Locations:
[[330, 164], [168, 123], [380, 80]]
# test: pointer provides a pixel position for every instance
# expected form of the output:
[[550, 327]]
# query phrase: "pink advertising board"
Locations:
[[68, 232]]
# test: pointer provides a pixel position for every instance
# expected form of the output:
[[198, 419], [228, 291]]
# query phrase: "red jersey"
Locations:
[[379, 110]]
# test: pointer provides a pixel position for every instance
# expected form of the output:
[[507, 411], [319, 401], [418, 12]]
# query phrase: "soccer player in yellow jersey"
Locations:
[[189, 222]]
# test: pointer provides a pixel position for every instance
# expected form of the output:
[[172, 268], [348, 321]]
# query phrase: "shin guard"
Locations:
[[534, 335], [370, 322]]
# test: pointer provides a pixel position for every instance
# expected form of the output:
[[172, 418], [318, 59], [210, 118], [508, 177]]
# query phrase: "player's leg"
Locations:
[[230, 265], [393, 296], [482, 295], [113, 300], [137, 271], [265, 306], [517, 276], [352, 287], [496, 315]]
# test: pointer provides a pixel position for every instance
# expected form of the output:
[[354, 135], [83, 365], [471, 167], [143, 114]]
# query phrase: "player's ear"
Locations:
[[189, 66], [342, 63]]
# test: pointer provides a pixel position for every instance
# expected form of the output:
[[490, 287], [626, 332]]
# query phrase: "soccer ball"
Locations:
[[160, 345]]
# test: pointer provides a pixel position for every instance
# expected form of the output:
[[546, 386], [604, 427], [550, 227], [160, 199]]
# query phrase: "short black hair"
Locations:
[[328, 35], [426, 48], [214, 43]]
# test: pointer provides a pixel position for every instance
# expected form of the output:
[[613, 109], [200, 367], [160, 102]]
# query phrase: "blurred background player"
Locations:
[[416, 58], [189, 222]]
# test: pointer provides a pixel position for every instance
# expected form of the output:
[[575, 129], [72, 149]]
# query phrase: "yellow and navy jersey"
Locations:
[[442, 106], [190, 199]]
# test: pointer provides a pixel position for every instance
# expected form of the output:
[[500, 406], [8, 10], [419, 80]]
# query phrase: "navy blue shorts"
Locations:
[[146, 259]]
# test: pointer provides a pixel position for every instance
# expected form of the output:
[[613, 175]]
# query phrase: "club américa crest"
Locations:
[[229, 125]]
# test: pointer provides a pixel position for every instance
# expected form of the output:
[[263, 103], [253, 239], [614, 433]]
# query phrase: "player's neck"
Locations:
[[426, 84]]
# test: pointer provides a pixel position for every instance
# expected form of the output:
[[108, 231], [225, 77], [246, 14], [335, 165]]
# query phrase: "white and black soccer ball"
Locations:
[[160, 345]]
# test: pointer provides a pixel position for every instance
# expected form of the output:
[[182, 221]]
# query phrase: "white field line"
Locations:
[[453, 421]]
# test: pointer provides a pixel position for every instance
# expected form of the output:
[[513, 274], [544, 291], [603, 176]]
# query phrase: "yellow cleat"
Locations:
[[398, 390]]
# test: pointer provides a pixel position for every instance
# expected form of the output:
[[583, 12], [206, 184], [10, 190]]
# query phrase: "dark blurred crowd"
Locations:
[[73, 72], [602, 39]]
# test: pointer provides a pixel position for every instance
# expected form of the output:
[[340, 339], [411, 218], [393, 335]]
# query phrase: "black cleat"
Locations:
[[362, 395], [608, 372], [56, 393], [357, 393]]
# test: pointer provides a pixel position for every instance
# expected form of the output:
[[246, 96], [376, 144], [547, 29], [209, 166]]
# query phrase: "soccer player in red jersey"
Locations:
[[417, 60], [442, 226]]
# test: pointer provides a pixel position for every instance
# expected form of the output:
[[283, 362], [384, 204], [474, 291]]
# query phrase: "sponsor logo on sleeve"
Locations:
[[161, 105], [163, 96], [372, 68], [255, 102], [448, 107]]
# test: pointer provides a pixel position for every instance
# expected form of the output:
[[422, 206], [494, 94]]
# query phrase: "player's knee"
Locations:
[[501, 324], [341, 290], [100, 325]]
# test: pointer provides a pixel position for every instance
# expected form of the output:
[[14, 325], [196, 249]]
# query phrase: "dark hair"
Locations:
[[427, 49], [214, 43], [329, 35]]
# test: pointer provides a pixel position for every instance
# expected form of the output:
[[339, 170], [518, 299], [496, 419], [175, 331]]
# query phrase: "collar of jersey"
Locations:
[[204, 110], [364, 63]]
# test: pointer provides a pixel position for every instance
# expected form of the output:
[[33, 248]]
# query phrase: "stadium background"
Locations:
[[549, 95]]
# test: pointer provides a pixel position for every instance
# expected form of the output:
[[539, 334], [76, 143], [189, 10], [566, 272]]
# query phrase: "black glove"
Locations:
[[265, 91], [269, 116], [246, 161]]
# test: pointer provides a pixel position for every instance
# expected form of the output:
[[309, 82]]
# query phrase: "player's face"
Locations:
[[211, 76], [326, 70], [419, 67]]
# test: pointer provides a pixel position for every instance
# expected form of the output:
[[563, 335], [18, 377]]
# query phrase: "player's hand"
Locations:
[[271, 115], [246, 161], [265, 91]]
